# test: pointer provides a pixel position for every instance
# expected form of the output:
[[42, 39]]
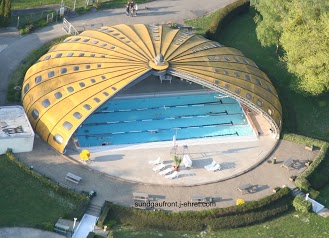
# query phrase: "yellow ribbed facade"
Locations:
[[77, 76]]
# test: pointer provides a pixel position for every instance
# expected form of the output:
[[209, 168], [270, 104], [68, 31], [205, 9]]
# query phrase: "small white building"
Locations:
[[15, 130]]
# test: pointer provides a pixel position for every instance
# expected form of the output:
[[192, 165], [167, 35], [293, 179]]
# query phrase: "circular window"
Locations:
[[38, 79], [237, 90], [259, 103], [269, 111], [248, 95]]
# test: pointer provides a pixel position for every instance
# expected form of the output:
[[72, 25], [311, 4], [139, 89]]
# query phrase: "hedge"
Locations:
[[214, 219], [83, 200], [301, 204], [315, 175], [105, 210], [225, 15]]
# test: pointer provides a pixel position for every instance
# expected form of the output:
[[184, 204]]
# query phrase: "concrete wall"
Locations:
[[18, 145]]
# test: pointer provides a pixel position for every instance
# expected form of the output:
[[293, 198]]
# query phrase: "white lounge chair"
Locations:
[[207, 167], [215, 168], [155, 162], [187, 161], [172, 176], [166, 171], [159, 168]]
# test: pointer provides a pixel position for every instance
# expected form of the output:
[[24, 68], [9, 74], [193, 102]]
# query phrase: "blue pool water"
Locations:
[[152, 119]]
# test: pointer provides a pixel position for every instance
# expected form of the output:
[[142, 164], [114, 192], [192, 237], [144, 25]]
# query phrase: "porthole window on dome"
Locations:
[[103, 77], [77, 115], [70, 89], [225, 71], [247, 77], [268, 88], [82, 84], [112, 47], [269, 111], [58, 95], [58, 139], [76, 39], [237, 90], [92, 55], [35, 114], [97, 100], [259, 103], [227, 59], [26, 88], [99, 65], [87, 106], [51, 74], [103, 45], [45, 103], [81, 54], [67, 125], [38, 79], [63, 70], [246, 61], [47, 57], [236, 74], [76, 68], [248, 96], [227, 86], [114, 88], [58, 55], [95, 42], [69, 54], [93, 80], [102, 56], [88, 66], [105, 93], [85, 40], [236, 59], [258, 82]]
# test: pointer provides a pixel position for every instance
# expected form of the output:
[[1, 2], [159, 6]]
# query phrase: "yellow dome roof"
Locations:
[[77, 76]]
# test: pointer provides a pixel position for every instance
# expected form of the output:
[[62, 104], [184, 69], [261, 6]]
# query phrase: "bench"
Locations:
[[246, 188], [141, 196], [201, 198], [288, 164], [72, 178]]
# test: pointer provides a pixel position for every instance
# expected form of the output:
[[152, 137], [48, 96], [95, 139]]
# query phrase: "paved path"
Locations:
[[267, 176], [14, 48], [15, 232]]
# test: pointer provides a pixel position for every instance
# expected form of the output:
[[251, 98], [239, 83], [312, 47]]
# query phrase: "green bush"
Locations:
[[302, 183], [91, 235], [301, 205], [214, 219], [225, 15]]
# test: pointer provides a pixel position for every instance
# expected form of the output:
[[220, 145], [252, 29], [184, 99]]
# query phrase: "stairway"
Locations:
[[296, 191], [94, 210]]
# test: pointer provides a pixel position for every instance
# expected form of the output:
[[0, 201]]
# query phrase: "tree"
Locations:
[[5, 12], [269, 20], [300, 27]]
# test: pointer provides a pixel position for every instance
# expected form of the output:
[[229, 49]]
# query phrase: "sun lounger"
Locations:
[[207, 167], [172, 176], [215, 168], [166, 171], [155, 162], [159, 168]]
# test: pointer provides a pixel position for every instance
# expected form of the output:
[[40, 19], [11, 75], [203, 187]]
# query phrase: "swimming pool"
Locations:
[[159, 118]]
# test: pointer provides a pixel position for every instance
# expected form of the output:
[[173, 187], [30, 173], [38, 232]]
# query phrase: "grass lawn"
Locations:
[[301, 114], [25, 201]]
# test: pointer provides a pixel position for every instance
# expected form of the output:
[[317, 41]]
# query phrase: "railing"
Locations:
[[69, 28]]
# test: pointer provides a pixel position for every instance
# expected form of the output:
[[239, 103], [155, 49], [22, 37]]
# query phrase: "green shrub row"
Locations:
[[301, 204], [225, 15], [314, 176], [83, 200], [214, 219], [105, 211]]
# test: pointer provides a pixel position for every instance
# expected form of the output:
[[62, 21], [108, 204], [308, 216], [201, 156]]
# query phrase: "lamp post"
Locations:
[[75, 220]]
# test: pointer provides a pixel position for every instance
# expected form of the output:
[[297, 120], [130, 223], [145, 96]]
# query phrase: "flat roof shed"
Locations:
[[16, 132]]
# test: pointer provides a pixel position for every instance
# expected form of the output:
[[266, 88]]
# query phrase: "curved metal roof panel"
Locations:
[[77, 76]]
